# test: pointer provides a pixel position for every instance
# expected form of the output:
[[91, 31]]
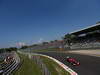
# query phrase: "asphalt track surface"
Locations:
[[89, 65]]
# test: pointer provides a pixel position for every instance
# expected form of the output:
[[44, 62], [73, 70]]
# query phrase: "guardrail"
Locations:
[[9, 68], [60, 63], [40, 63]]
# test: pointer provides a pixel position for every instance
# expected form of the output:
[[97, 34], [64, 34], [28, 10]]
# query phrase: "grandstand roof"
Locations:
[[88, 29]]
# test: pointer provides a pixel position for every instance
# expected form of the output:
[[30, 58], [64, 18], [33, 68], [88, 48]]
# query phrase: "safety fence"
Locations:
[[60, 63], [38, 61], [41, 65]]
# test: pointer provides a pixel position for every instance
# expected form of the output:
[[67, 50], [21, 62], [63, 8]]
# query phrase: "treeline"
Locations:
[[8, 49]]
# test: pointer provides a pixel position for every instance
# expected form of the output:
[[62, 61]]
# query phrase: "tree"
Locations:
[[2, 50], [8, 49], [51, 41], [11, 49], [68, 39], [56, 40], [34, 45], [44, 43], [24, 47]]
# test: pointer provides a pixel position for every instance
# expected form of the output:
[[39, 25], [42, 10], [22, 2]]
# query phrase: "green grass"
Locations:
[[48, 49], [53, 67], [28, 67]]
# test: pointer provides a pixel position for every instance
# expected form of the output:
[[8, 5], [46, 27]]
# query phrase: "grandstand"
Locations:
[[87, 38]]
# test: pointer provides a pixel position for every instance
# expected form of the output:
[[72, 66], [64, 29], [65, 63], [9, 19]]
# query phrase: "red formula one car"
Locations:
[[73, 61]]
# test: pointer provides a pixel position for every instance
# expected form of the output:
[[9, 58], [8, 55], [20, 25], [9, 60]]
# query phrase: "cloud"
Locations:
[[40, 40]]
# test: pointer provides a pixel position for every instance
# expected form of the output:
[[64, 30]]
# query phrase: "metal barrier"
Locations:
[[9, 69], [42, 66]]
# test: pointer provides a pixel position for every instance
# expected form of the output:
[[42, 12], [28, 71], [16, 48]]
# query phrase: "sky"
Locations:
[[33, 21]]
